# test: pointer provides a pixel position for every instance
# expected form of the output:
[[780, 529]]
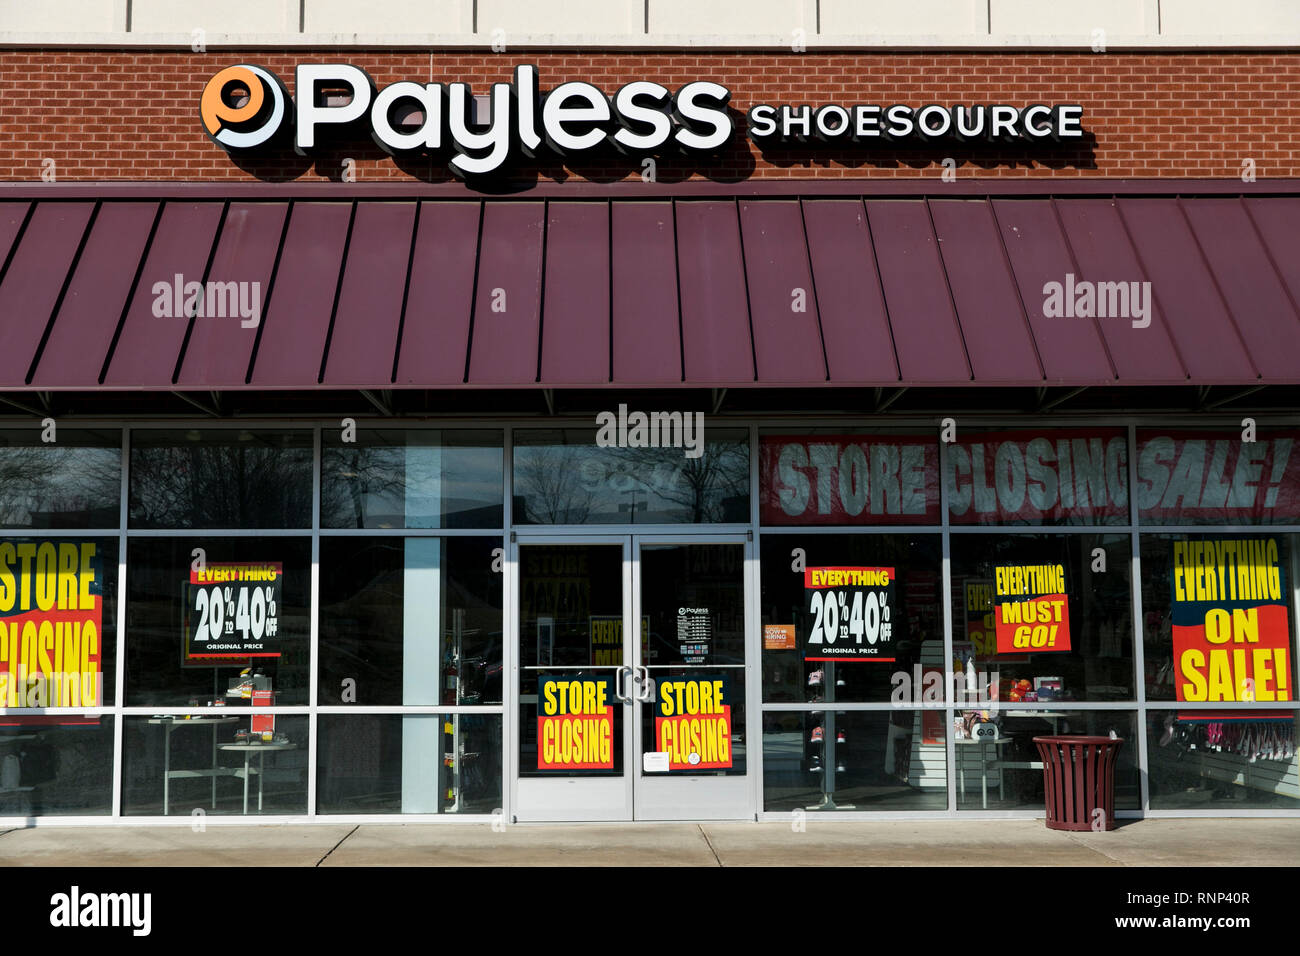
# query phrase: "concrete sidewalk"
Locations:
[[1223, 842]]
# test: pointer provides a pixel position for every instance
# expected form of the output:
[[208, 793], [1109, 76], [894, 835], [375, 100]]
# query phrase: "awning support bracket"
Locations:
[[894, 396], [190, 400], [719, 396], [1061, 399], [1232, 398], [381, 401]]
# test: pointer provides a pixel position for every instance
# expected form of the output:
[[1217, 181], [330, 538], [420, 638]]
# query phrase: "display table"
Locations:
[[995, 743], [171, 723], [261, 750]]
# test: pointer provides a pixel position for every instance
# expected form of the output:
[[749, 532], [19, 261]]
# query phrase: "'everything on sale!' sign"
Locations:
[[852, 611], [575, 723], [1032, 612], [693, 722], [233, 612], [1232, 640]]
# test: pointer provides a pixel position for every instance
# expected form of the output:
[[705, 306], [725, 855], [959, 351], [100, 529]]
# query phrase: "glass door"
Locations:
[[691, 680], [572, 677], [617, 720]]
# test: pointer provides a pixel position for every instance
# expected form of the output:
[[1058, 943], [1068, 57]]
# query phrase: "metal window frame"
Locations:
[[757, 425]]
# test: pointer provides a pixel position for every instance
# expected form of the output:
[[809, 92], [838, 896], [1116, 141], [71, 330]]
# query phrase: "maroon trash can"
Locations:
[[1079, 781]]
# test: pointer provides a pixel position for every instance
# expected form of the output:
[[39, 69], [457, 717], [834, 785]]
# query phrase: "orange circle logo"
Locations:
[[243, 106]]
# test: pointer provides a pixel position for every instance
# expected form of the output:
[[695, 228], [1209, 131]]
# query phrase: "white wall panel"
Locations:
[[604, 17], [57, 16], [1043, 18], [917, 18], [389, 16], [1241, 17], [732, 17], [185, 16]]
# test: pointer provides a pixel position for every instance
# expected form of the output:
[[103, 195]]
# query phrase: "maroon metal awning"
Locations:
[[647, 285]]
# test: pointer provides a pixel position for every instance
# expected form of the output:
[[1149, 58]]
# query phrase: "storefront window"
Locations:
[[1218, 617], [1044, 617], [410, 621], [56, 765], [395, 478], [243, 764], [1005, 771], [850, 617], [231, 632], [221, 478], [58, 622], [1040, 477], [1216, 477], [843, 477], [430, 763], [562, 476], [1240, 761], [854, 760], [74, 481]]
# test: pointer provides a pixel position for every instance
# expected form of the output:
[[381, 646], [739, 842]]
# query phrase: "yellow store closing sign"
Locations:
[[51, 622]]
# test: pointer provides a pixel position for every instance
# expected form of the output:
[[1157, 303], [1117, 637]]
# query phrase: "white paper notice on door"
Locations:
[[655, 761]]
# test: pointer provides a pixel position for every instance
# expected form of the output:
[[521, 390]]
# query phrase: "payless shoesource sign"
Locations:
[[245, 108]]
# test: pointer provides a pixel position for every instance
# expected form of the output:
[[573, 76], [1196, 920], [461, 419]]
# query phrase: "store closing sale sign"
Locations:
[[1232, 640], [852, 613], [1031, 610], [693, 722], [575, 723], [233, 612], [51, 622]]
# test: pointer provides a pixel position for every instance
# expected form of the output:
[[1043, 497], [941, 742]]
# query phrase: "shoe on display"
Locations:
[[841, 767], [816, 736], [814, 764], [815, 678], [839, 682], [840, 737]]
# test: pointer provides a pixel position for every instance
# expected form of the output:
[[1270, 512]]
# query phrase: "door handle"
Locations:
[[646, 692], [620, 683]]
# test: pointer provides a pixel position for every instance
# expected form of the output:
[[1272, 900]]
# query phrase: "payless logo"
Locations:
[[243, 107]]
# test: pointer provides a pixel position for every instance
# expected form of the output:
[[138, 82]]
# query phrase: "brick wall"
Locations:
[[133, 115]]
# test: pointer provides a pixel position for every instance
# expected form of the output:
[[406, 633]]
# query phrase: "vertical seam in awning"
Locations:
[[130, 295], [609, 285], [880, 285], [1286, 290], [18, 238], [952, 299], [1074, 263], [1214, 280], [270, 290], [203, 283], [473, 290], [1015, 284], [63, 291], [812, 281], [744, 275], [406, 289], [541, 291], [1146, 276], [338, 292], [677, 277]]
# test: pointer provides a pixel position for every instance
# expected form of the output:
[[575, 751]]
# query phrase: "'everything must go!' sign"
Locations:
[[1031, 609]]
